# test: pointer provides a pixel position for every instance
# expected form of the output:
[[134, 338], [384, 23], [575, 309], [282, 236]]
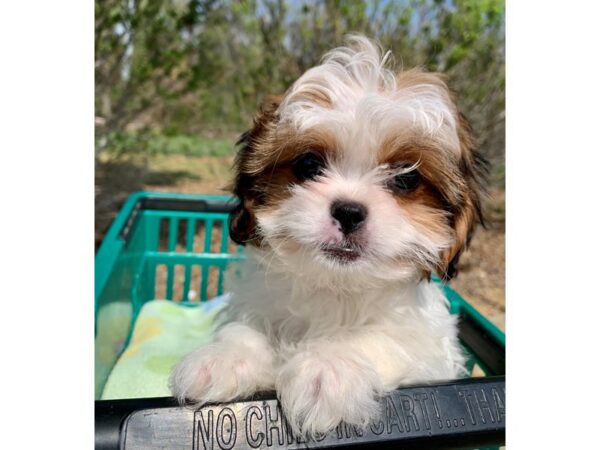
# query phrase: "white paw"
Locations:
[[319, 391], [238, 364]]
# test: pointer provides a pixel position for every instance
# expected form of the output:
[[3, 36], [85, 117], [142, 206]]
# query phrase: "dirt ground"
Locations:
[[481, 269], [481, 274]]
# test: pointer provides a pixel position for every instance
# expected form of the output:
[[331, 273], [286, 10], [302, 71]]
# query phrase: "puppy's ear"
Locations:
[[247, 168], [474, 170]]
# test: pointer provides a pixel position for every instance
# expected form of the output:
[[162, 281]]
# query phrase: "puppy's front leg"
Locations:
[[327, 382], [237, 364]]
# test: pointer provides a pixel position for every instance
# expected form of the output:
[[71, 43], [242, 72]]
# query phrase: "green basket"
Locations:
[[177, 247]]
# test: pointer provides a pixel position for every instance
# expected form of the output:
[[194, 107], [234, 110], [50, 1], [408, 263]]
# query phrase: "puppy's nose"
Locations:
[[351, 215]]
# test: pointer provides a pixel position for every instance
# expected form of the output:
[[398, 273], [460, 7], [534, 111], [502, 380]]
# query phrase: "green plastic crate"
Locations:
[[170, 246]]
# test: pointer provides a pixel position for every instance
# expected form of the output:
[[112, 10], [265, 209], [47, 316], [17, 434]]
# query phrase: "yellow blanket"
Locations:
[[164, 332]]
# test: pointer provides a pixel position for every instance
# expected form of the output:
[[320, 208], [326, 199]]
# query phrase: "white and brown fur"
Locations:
[[329, 335]]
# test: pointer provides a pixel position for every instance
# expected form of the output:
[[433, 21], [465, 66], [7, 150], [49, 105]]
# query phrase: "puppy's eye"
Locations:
[[308, 166], [406, 182]]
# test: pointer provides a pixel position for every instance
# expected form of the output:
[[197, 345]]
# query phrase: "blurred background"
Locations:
[[177, 81]]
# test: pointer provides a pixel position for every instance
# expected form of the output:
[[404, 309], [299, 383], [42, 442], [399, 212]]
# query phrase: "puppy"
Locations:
[[355, 186]]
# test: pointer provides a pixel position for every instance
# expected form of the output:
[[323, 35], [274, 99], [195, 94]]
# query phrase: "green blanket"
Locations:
[[164, 332]]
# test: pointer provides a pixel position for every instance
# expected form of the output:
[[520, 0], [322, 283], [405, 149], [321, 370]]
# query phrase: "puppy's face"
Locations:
[[359, 171]]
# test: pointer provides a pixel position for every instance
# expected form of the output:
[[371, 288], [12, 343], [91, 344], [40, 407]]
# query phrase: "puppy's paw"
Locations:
[[237, 364], [318, 391]]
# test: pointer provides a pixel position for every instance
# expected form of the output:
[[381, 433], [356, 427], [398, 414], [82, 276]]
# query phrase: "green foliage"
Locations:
[[178, 68], [155, 142], [189, 146]]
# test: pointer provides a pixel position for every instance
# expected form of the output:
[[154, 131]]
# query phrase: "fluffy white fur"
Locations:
[[332, 337], [369, 103]]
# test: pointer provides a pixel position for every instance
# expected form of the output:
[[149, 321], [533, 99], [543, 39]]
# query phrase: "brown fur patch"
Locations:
[[454, 183], [263, 167], [439, 170], [416, 76], [473, 171], [312, 94]]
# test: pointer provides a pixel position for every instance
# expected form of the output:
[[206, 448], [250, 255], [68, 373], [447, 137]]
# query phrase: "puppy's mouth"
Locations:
[[342, 253]]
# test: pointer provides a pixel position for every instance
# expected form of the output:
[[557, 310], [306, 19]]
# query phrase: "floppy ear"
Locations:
[[242, 222], [474, 170]]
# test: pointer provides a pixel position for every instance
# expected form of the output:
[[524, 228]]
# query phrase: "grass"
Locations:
[[190, 146], [126, 144]]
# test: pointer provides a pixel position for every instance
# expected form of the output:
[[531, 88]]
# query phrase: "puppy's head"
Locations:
[[358, 170]]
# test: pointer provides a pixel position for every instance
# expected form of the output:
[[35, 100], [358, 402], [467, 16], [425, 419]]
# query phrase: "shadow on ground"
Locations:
[[115, 180]]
